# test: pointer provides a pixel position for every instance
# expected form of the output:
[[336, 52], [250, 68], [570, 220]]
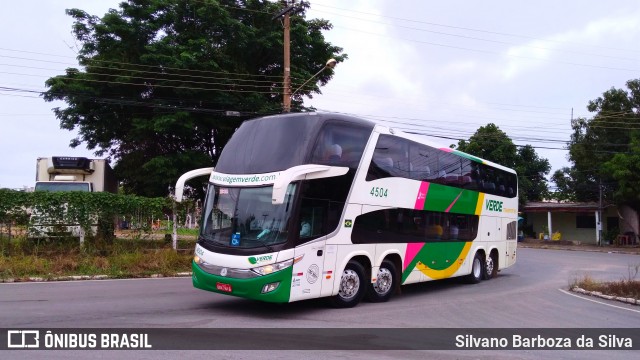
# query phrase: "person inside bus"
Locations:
[[334, 154], [305, 229], [454, 230]]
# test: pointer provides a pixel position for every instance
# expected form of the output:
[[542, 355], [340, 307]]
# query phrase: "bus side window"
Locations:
[[312, 217], [322, 204], [389, 158]]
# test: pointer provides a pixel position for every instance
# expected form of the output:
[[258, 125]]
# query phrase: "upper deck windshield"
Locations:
[[245, 217], [277, 143]]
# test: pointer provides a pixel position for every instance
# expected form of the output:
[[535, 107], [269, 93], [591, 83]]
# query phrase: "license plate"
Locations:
[[224, 287]]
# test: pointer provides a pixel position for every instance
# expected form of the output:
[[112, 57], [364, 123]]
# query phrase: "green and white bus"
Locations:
[[310, 205]]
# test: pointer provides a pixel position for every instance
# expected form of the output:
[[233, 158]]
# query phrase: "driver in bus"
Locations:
[[305, 229]]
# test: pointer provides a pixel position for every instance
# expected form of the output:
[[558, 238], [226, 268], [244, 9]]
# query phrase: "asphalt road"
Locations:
[[527, 295]]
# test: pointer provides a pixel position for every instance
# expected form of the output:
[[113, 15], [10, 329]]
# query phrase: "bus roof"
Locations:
[[420, 138], [324, 116]]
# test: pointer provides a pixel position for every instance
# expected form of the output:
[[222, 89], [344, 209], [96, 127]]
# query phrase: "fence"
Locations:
[[77, 214]]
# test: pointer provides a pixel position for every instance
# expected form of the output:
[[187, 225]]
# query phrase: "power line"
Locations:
[[154, 67], [120, 101], [161, 70], [146, 79]]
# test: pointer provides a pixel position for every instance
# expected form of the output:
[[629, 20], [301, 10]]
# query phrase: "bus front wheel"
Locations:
[[477, 269], [385, 284], [352, 286]]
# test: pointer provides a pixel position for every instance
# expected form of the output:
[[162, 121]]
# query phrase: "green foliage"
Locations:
[[604, 150], [625, 170], [156, 80], [532, 171], [493, 144], [51, 210]]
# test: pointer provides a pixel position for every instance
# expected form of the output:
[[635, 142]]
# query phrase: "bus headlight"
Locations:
[[270, 269]]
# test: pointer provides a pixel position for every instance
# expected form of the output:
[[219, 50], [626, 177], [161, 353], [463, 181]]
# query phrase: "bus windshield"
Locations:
[[245, 217]]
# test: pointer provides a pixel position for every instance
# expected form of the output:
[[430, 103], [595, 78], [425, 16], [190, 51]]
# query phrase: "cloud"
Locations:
[[378, 64], [588, 45]]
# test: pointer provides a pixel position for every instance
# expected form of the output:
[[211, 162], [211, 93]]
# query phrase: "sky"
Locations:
[[444, 68]]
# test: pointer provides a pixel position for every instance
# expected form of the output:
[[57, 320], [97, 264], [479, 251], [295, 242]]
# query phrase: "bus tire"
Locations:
[[491, 266], [353, 285], [386, 282], [477, 269]]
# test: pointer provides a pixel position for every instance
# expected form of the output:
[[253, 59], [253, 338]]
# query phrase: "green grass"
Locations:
[[187, 232], [49, 258]]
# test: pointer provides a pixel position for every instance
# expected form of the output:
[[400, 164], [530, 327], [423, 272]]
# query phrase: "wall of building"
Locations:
[[565, 223]]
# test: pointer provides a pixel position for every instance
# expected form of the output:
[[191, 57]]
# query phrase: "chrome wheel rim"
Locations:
[[490, 266], [476, 268], [349, 284], [383, 282]]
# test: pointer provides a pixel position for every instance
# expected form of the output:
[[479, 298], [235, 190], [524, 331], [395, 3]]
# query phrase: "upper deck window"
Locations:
[[399, 157], [340, 144]]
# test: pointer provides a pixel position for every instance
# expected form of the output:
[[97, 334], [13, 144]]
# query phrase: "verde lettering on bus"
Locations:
[[257, 259], [493, 205]]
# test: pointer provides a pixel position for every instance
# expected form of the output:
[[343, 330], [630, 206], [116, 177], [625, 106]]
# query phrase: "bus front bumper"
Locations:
[[246, 288]]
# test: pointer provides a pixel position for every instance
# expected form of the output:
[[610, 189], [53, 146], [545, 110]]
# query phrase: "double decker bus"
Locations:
[[310, 205]]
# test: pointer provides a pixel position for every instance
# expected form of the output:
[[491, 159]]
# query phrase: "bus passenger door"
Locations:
[[306, 282]]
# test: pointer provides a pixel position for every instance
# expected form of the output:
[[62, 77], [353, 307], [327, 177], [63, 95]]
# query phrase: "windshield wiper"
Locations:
[[264, 244]]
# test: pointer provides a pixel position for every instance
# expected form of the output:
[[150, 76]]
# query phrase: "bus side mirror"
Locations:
[[187, 176], [301, 172]]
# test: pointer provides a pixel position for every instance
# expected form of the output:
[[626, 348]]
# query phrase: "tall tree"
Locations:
[[602, 149], [625, 169], [163, 84], [493, 144]]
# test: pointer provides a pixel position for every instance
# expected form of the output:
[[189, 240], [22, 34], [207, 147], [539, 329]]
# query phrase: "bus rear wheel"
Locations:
[[491, 266], [477, 269], [352, 286], [386, 281]]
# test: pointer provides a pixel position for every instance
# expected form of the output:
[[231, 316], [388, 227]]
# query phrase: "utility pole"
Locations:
[[600, 212], [287, 64], [286, 82]]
